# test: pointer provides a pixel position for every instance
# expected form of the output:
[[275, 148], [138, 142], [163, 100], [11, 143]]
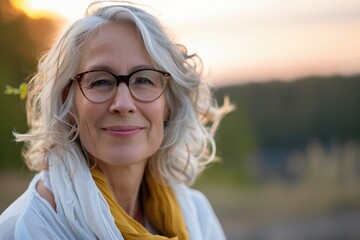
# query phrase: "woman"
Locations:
[[120, 123]]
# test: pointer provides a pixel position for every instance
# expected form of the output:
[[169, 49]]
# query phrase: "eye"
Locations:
[[142, 81], [101, 83]]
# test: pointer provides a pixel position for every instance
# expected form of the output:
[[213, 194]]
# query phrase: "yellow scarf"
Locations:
[[161, 207]]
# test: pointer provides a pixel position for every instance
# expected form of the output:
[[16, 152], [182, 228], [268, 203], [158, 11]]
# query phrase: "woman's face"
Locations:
[[121, 131]]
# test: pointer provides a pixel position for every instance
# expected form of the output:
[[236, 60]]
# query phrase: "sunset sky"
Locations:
[[251, 40]]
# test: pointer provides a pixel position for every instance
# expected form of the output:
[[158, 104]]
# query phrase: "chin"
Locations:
[[123, 160]]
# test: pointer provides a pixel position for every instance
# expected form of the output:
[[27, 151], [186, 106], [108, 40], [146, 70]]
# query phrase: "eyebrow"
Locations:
[[139, 67]]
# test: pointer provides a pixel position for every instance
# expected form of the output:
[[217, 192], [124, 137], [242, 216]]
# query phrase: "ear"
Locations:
[[167, 115]]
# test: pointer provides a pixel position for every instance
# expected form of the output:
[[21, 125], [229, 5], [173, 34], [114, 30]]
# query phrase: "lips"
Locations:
[[123, 131]]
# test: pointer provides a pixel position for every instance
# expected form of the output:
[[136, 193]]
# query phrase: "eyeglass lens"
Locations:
[[144, 85]]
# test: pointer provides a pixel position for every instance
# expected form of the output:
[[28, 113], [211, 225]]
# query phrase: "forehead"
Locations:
[[117, 47]]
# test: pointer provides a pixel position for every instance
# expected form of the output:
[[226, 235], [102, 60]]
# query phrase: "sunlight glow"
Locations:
[[74, 9], [248, 40], [51, 8]]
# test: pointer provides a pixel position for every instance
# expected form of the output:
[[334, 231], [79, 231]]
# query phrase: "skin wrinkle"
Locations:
[[125, 140], [122, 159]]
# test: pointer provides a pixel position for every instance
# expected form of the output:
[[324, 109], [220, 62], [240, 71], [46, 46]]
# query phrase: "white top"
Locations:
[[32, 217]]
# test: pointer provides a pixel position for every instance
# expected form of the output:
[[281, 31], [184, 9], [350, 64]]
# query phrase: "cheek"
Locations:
[[159, 114], [156, 136], [85, 127], [86, 116]]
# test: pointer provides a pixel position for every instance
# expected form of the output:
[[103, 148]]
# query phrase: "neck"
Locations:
[[125, 182]]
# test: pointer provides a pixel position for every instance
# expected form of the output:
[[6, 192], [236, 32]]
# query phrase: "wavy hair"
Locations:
[[188, 144]]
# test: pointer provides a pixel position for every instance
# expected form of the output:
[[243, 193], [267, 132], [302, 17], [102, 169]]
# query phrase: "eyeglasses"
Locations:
[[145, 85]]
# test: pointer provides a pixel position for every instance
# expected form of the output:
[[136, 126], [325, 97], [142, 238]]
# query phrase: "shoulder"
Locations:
[[194, 198], [9, 218], [39, 220], [203, 207], [198, 214], [45, 193], [199, 198], [30, 208]]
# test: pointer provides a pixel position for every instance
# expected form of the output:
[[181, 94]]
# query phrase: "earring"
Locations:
[[94, 165]]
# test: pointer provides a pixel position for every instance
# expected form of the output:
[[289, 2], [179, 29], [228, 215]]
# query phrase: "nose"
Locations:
[[122, 102]]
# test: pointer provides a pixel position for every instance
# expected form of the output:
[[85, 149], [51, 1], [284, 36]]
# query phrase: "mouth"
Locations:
[[123, 131]]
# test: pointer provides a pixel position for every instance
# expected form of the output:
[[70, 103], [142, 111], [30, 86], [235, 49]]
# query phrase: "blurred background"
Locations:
[[290, 151]]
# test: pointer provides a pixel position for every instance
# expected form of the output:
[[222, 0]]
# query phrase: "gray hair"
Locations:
[[188, 144]]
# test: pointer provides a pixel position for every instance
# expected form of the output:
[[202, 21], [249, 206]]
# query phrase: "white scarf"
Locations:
[[85, 210]]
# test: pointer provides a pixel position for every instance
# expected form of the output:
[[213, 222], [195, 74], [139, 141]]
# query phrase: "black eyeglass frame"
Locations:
[[121, 79]]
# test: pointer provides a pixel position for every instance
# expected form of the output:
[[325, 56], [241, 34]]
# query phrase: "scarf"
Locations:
[[84, 211], [160, 205]]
